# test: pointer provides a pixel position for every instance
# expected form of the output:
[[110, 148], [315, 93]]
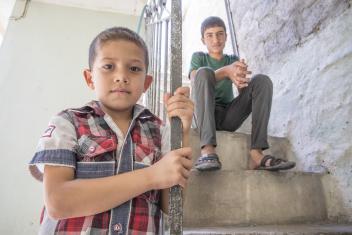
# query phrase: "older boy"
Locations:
[[107, 166], [212, 76]]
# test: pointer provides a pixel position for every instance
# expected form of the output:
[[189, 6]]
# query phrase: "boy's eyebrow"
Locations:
[[221, 31], [112, 58]]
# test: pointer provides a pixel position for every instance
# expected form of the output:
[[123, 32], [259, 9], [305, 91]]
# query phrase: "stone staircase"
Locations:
[[222, 201]]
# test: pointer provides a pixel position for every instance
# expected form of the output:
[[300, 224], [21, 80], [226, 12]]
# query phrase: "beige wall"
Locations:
[[41, 62]]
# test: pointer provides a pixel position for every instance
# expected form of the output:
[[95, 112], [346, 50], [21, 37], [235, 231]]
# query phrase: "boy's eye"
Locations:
[[108, 66], [135, 69], [221, 34]]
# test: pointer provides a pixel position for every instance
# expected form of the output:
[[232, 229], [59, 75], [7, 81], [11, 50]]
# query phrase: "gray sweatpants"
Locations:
[[255, 99]]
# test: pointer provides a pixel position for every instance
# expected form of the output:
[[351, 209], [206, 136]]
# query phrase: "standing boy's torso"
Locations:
[[101, 151]]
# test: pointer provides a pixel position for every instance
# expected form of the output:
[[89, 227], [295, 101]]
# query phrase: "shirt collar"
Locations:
[[139, 111]]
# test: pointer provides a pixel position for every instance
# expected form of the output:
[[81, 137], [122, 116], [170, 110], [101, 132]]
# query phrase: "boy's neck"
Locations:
[[216, 56], [122, 118]]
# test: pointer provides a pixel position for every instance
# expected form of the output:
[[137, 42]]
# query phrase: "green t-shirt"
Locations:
[[223, 88]]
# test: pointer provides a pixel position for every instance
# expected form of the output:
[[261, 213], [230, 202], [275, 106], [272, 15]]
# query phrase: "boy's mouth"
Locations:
[[120, 91]]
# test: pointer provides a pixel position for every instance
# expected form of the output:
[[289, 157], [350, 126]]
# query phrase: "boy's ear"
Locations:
[[203, 40], [89, 79], [147, 81]]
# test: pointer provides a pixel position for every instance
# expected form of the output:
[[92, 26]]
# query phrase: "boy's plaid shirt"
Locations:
[[84, 140]]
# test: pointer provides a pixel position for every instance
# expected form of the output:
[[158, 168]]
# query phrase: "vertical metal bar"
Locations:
[[159, 68], [156, 68], [154, 65], [151, 65], [166, 61], [175, 202], [232, 29], [149, 43]]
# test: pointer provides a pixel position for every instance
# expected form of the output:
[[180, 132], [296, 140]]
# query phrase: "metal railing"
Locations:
[[158, 19]]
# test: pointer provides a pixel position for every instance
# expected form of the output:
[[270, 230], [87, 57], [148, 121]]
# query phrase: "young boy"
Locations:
[[212, 76], [107, 165]]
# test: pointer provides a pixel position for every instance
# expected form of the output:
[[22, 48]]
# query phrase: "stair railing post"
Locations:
[[159, 68], [175, 202], [232, 29], [166, 56]]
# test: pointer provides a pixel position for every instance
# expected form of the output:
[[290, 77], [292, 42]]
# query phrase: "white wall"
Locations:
[[6, 7], [41, 63]]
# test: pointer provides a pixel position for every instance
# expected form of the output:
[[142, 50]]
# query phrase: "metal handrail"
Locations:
[[157, 20]]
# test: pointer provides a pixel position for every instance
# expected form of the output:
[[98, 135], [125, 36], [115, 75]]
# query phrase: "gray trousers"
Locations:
[[209, 117]]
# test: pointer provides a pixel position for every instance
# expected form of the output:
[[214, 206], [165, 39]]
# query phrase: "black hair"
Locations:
[[115, 34], [212, 21]]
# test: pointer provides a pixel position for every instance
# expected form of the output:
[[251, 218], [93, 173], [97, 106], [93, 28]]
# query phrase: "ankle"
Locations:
[[208, 149], [256, 155]]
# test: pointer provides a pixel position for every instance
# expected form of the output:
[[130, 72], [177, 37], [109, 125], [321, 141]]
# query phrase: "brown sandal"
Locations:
[[276, 164]]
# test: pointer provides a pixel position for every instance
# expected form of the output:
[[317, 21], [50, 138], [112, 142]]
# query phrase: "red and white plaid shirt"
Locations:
[[87, 140]]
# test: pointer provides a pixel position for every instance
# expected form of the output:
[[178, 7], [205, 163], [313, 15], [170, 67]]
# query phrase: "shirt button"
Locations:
[[91, 149], [117, 227]]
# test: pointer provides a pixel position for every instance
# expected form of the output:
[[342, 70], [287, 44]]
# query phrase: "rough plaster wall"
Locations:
[[41, 63], [306, 48]]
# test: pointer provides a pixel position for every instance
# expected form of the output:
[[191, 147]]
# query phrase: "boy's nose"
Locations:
[[121, 77], [215, 39]]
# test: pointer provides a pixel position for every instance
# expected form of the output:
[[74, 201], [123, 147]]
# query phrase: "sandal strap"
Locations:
[[274, 160], [208, 158], [265, 159]]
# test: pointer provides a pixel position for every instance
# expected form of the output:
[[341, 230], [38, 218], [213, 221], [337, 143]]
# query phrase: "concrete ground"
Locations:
[[301, 229]]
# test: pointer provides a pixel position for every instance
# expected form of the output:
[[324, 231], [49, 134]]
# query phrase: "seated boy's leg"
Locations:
[[255, 98], [203, 89]]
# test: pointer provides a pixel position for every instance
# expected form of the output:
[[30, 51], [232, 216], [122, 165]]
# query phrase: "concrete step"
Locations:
[[226, 198], [293, 229], [233, 148]]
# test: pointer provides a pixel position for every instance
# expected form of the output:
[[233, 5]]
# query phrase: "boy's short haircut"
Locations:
[[212, 21], [115, 34]]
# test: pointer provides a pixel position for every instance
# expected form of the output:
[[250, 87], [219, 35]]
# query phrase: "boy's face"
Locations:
[[118, 75], [214, 38]]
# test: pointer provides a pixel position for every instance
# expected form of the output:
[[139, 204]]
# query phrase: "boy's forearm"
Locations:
[[221, 73], [83, 197]]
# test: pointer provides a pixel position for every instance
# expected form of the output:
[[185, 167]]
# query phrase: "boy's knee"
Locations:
[[205, 74], [262, 81]]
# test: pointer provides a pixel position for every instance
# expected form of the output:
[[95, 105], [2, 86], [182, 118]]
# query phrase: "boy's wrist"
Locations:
[[150, 179]]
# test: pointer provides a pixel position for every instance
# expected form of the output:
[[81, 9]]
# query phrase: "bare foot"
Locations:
[[255, 159]]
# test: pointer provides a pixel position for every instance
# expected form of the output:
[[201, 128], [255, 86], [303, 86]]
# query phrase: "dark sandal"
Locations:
[[209, 162], [276, 164]]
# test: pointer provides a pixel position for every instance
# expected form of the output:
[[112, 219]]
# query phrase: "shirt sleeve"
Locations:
[[233, 58], [196, 62], [57, 146]]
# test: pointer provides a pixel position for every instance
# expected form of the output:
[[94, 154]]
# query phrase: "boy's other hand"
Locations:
[[239, 73], [180, 105], [172, 169]]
